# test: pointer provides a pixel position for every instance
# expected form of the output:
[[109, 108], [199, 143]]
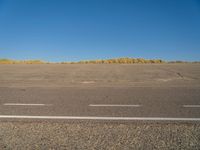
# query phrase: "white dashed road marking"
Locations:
[[194, 106], [22, 104], [112, 105]]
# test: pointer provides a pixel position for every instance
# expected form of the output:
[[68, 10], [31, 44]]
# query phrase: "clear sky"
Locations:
[[71, 30]]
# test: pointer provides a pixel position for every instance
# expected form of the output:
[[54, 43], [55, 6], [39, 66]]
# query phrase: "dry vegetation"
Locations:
[[105, 61], [118, 61], [9, 61]]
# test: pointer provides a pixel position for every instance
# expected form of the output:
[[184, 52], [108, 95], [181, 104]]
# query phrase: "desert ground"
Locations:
[[105, 106]]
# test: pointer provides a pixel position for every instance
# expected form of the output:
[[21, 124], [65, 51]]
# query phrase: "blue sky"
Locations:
[[72, 30]]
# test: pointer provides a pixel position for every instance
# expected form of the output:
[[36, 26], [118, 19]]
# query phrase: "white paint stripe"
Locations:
[[191, 105], [99, 118], [112, 105], [22, 104]]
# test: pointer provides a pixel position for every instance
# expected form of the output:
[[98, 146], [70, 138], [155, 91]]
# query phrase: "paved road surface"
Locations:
[[173, 102], [113, 95]]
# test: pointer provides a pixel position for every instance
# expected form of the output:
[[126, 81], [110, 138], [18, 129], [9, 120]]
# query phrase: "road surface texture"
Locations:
[[61, 106]]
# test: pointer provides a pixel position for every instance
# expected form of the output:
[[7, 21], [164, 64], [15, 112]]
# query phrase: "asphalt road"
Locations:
[[101, 97], [173, 102]]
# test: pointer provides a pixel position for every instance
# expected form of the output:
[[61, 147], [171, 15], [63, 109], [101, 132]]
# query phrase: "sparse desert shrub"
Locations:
[[9, 61], [124, 60]]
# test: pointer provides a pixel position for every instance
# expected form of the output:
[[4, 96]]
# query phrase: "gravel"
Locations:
[[98, 135]]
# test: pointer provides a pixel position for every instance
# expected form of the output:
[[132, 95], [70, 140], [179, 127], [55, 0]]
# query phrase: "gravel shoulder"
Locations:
[[98, 135]]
